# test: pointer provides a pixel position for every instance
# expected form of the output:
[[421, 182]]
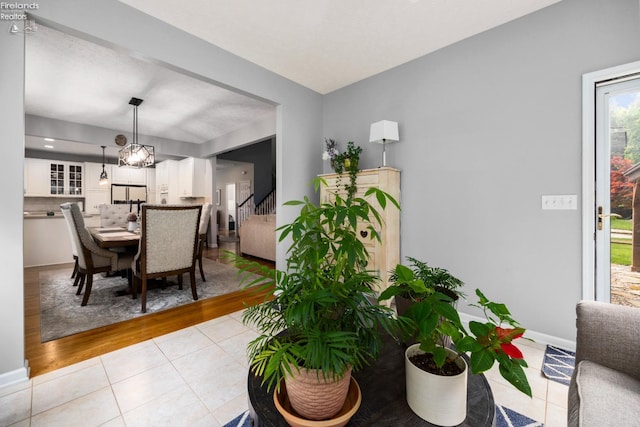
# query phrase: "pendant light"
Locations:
[[136, 155], [104, 179]]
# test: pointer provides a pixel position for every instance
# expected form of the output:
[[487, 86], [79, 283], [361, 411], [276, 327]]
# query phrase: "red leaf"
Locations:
[[512, 350]]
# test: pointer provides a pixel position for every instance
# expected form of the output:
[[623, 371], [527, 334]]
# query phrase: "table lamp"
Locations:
[[383, 132]]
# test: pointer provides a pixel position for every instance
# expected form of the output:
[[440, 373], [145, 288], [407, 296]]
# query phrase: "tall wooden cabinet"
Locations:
[[384, 255]]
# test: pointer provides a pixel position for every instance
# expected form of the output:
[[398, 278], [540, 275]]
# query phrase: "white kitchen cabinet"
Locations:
[[46, 242], [36, 177], [95, 198], [96, 194], [151, 185], [129, 175], [162, 177], [53, 178], [167, 177], [191, 182]]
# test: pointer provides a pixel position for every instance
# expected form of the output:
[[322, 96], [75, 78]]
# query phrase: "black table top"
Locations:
[[384, 400]]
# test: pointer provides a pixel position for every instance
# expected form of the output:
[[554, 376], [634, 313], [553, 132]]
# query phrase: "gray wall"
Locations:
[[487, 126], [12, 136], [298, 123], [260, 154]]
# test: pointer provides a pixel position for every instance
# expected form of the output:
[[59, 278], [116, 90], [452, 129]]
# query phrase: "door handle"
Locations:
[[602, 216]]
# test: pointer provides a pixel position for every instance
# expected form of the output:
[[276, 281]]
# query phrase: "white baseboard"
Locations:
[[16, 376], [538, 337]]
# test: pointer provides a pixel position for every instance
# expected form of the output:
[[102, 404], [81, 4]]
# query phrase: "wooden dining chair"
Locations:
[[74, 249], [168, 246], [92, 259], [205, 216]]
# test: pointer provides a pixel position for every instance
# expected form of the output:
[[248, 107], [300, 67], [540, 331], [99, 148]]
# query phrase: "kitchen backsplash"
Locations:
[[44, 204]]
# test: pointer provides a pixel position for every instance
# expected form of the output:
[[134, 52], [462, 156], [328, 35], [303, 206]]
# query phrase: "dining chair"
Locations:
[[202, 234], [114, 215], [92, 259], [168, 246], [74, 249]]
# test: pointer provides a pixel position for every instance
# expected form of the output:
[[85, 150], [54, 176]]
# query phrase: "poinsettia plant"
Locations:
[[433, 318]]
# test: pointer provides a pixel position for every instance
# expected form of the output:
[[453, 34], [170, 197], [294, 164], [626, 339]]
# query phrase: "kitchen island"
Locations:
[[46, 238]]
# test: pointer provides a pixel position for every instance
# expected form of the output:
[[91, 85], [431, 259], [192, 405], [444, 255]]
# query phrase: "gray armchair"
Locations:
[[92, 259], [605, 386], [168, 246]]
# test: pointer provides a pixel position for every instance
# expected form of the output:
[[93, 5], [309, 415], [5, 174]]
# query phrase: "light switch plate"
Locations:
[[560, 202]]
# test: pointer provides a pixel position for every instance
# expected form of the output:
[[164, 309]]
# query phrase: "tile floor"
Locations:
[[163, 382]]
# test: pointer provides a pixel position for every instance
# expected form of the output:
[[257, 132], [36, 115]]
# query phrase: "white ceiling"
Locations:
[[321, 44], [78, 81], [328, 44]]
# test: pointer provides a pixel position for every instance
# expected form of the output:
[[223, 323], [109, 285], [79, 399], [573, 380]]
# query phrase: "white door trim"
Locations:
[[589, 82]]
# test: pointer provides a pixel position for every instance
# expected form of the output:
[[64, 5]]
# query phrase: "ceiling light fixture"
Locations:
[[104, 179], [383, 132], [49, 139], [136, 155]]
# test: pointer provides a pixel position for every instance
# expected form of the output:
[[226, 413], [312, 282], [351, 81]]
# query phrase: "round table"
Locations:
[[384, 400]]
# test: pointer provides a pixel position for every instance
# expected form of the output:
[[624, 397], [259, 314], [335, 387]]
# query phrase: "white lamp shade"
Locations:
[[384, 131]]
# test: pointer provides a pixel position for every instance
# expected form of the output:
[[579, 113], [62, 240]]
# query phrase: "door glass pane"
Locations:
[[624, 136]]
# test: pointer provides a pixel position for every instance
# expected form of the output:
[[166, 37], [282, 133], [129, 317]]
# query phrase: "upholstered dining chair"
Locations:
[[168, 246], [113, 215], [205, 216], [74, 249], [92, 259]]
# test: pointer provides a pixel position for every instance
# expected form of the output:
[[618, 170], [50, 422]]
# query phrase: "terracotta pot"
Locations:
[[348, 410], [315, 398], [440, 400]]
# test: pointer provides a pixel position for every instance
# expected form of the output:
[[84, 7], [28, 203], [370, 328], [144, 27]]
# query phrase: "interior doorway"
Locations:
[[230, 192]]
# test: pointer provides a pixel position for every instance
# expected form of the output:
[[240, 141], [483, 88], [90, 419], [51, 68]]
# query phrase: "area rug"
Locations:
[[242, 420], [61, 314], [505, 417], [558, 364]]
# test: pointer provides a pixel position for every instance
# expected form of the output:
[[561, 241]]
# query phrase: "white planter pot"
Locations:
[[438, 399]]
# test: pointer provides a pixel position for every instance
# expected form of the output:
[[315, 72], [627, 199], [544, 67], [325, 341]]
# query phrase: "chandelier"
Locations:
[[136, 155]]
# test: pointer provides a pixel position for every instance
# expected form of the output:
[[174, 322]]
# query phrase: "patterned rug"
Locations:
[[62, 315], [558, 364], [505, 417], [242, 420]]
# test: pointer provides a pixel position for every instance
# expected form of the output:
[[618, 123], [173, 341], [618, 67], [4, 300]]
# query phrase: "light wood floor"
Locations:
[[45, 357]]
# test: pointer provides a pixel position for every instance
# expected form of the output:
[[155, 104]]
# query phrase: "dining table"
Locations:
[[114, 237]]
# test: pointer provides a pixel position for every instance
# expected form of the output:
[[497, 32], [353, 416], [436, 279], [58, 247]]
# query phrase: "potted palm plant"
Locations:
[[406, 292], [321, 319], [436, 374]]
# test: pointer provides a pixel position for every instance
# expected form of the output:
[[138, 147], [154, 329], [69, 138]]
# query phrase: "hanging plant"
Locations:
[[347, 162]]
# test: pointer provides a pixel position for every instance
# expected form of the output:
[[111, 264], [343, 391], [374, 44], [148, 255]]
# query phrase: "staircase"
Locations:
[[266, 206]]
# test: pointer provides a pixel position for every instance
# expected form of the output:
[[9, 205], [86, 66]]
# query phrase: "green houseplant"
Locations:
[[432, 319], [406, 292], [345, 162], [321, 315]]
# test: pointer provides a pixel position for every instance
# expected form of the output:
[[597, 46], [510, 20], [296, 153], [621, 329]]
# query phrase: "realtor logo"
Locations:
[[18, 12]]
